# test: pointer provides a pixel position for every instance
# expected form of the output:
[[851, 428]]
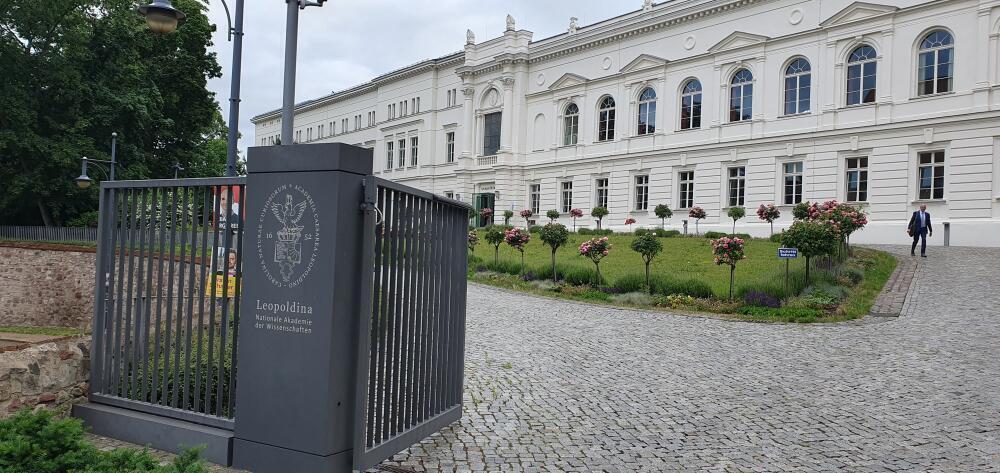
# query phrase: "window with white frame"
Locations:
[[691, 105], [535, 198], [685, 186], [448, 99], [930, 175], [647, 112], [642, 192], [389, 153], [491, 133], [601, 192], [934, 71], [737, 186], [862, 71], [449, 194], [798, 87], [319, 133], [333, 128], [857, 179], [571, 125], [414, 145], [792, 175], [298, 136], [606, 119], [309, 134], [401, 150], [449, 149], [741, 96], [567, 196]]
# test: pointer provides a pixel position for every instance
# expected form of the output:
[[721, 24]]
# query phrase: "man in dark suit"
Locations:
[[920, 228]]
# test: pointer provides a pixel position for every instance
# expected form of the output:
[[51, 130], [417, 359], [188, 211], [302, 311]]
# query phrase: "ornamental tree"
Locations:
[[768, 213], [473, 240], [518, 238], [487, 214], [729, 251], [552, 215], [599, 213], [554, 235], [629, 221], [736, 213], [526, 214], [596, 249], [663, 213], [648, 246], [507, 215], [811, 238], [697, 213], [494, 235], [575, 213]]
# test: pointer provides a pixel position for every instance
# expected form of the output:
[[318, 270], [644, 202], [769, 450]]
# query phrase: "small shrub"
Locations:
[[776, 238], [641, 231], [534, 229], [604, 232], [715, 235], [673, 301], [666, 233], [692, 287], [505, 267], [787, 314], [743, 236], [761, 299], [824, 288], [630, 283], [632, 298], [578, 276], [585, 231], [528, 276], [855, 275], [595, 295], [543, 284]]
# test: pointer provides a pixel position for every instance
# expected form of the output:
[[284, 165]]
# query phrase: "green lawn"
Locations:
[[682, 258]]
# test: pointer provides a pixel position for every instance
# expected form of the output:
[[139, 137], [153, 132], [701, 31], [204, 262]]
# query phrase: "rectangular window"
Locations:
[[601, 194], [642, 192], [333, 128], [414, 144], [449, 150], [571, 124], [320, 132], [567, 197], [402, 152], [737, 186], [857, 179], [535, 198], [793, 183], [930, 173], [685, 181], [449, 194], [861, 83], [388, 153], [491, 134]]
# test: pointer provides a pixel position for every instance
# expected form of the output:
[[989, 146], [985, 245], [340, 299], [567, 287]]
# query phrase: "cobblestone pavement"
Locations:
[[559, 386]]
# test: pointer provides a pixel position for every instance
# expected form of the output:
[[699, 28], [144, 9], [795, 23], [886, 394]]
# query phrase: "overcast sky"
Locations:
[[348, 42]]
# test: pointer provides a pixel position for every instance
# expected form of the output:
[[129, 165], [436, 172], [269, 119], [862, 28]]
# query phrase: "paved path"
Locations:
[[559, 386]]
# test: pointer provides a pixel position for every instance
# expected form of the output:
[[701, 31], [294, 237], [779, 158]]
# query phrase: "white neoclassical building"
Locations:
[[709, 103]]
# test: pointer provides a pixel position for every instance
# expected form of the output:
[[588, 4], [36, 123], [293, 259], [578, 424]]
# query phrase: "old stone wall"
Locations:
[[48, 375], [46, 288]]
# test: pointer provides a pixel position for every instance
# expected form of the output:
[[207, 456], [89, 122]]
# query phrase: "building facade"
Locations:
[[708, 103]]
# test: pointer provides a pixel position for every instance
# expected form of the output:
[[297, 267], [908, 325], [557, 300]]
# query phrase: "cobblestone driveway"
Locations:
[[559, 386]]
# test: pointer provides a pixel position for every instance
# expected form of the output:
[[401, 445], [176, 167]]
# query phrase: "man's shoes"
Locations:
[[923, 256]]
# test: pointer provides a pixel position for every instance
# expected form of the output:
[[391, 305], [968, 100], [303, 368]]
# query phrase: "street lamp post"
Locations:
[[84, 181]]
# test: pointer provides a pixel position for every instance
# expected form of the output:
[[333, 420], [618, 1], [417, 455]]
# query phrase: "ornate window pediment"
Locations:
[[568, 80], [858, 11], [644, 61], [738, 39]]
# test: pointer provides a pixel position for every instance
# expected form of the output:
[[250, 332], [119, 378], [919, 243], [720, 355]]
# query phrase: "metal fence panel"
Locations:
[[169, 265], [410, 354]]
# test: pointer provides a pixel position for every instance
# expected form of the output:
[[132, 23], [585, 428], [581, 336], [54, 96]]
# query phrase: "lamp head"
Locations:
[[161, 16], [84, 181]]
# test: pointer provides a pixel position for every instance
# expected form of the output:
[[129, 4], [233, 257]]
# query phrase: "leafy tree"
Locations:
[[494, 236], [768, 213], [599, 213], [811, 238], [518, 238], [507, 215], [736, 213], [801, 211], [526, 214], [648, 246], [552, 215], [77, 70], [663, 213], [729, 251], [697, 213], [554, 235]]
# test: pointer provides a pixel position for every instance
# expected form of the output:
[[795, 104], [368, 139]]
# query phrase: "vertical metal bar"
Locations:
[[234, 340], [214, 270], [385, 296], [205, 222], [445, 334], [129, 343], [392, 324], [100, 276], [411, 256], [224, 321], [364, 362], [421, 339], [196, 218], [168, 323], [125, 231], [182, 270], [463, 283], [432, 305], [377, 321], [112, 226], [153, 390], [148, 291], [405, 273]]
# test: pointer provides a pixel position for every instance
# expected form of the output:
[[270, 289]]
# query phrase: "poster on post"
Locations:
[[227, 221]]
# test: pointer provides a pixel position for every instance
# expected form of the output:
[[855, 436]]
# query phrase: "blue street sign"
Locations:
[[788, 253]]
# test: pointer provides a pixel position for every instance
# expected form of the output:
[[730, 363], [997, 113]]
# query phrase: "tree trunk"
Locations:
[[772, 228], [648, 287], [555, 277], [597, 282], [46, 216], [663, 223], [598, 224], [696, 231], [734, 227], [522, 261], [496, 255], [732, 278]]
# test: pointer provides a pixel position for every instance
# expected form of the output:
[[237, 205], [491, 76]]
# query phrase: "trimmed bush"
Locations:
[[776, 238], [505, 267], [578, 276], [604, 232], [666, 233], [690, 287], [715, 235], [630, 283], [641, 231], [535, 229], [585, 231], [821, 288], [743, 236]]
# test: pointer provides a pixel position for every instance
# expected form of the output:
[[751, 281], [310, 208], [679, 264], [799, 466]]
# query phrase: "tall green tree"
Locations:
[[77, 70]]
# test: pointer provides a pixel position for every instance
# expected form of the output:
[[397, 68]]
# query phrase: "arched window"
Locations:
[[741, 96], [934, 72], [798, 83], [691, 105], [571, 124], [606, 119], [861, 74], [647, 112]]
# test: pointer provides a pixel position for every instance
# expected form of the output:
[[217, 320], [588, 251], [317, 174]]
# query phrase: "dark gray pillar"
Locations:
[[301, 294]]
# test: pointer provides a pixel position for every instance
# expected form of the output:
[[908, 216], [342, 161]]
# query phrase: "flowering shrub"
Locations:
[[629, 221], [697, 213], [526, 214], [486, 213], [473, 240], [575, 213], [596, 249], [768, 213], [518, 238], [728, 251], [841, 219]]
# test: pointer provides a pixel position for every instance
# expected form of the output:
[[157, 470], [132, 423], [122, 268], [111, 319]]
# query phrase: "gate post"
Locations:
[[301, 297]]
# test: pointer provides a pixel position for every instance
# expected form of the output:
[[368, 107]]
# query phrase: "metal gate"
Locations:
[[412, 346], [167, 297]]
